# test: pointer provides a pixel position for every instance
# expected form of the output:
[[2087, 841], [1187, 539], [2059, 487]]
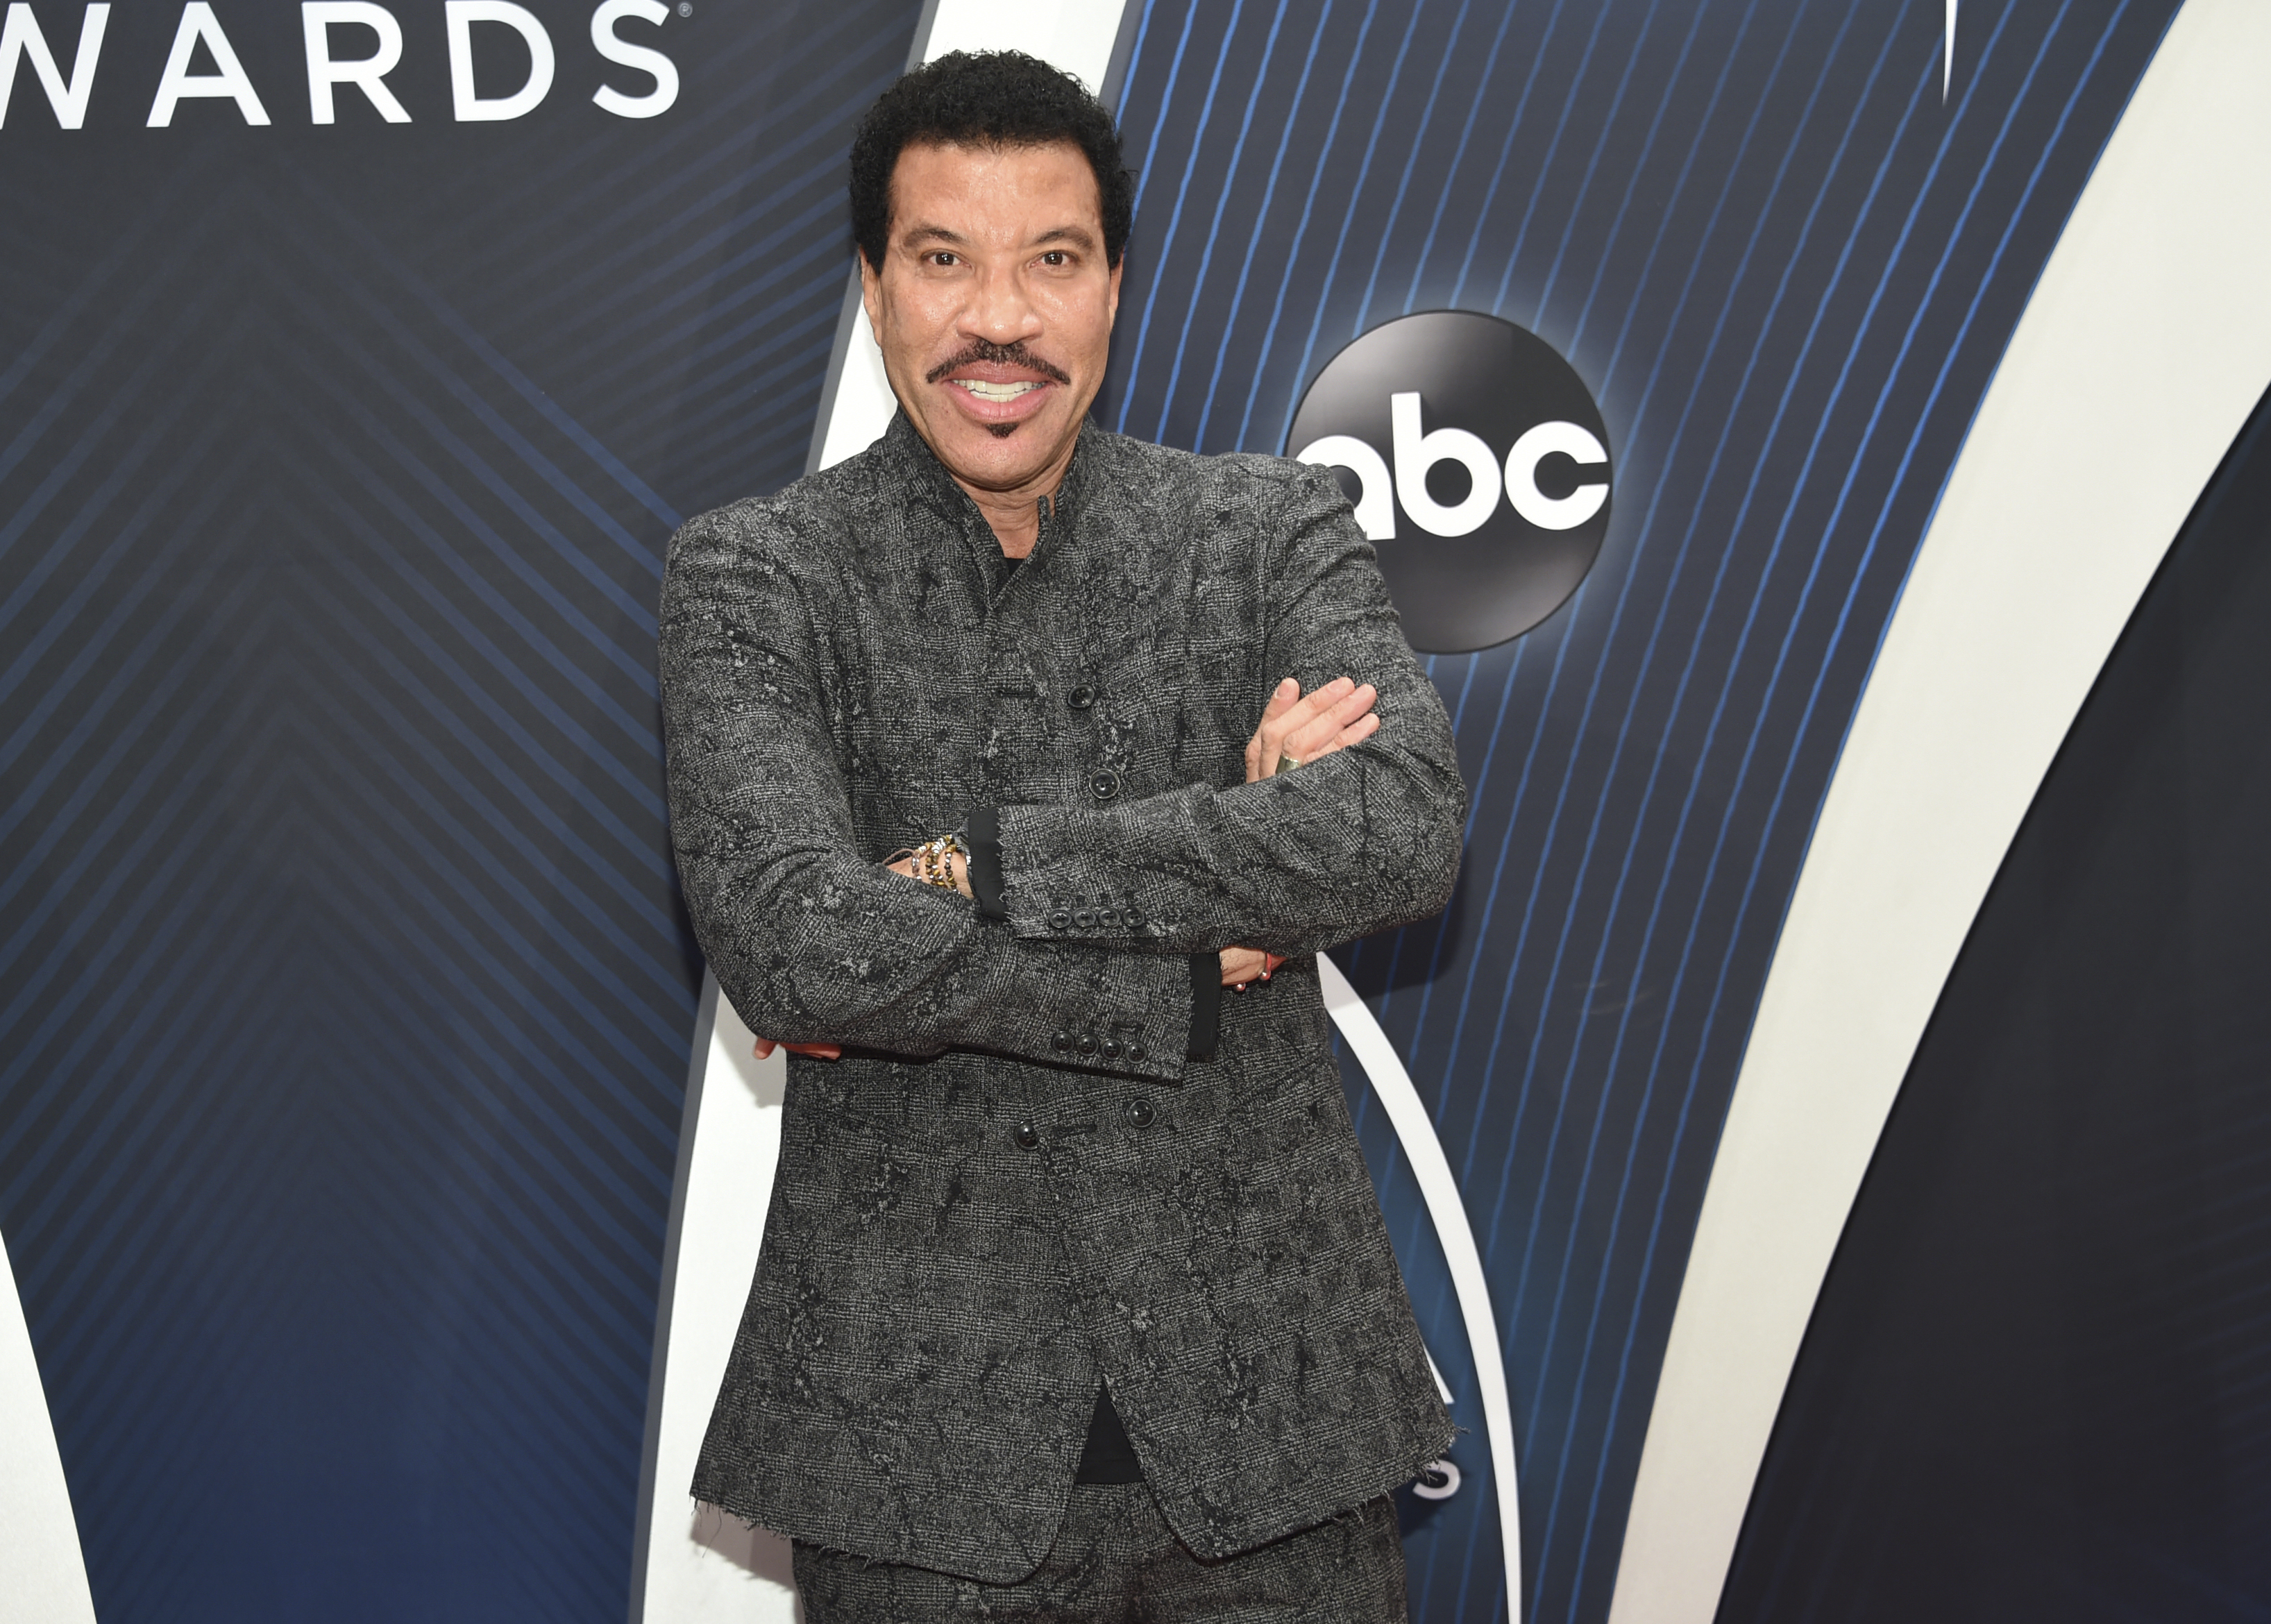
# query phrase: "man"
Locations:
[[996, 752]]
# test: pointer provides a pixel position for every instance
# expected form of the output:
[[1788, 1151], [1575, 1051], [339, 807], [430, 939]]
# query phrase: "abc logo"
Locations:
[[1479, 466]]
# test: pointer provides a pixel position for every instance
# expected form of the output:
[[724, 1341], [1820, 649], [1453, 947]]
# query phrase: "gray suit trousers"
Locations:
[[1116, 1562]]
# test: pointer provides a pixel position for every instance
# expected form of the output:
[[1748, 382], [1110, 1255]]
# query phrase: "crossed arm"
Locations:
[[818, 946], [1295, 728]]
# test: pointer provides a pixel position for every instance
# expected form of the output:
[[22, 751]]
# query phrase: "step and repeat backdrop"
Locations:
[[357, 362]]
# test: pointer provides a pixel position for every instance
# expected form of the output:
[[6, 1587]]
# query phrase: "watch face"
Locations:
[[1479, 467]]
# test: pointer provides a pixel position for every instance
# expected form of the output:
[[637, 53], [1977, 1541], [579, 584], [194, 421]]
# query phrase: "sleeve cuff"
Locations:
[[1206, 1005], [986, 861]]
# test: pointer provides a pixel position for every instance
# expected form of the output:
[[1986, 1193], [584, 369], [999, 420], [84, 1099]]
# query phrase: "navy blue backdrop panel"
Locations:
[[1786, 268], [345, 995], [2035, 1385]]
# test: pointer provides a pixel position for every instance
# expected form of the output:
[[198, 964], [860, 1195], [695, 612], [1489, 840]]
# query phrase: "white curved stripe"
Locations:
[[2139, 357], [41, 1572], [691, 1565], [1415, 1130]]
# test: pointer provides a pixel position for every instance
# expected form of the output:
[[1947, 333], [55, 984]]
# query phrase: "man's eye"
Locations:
[[941, 258], [1054, 256]]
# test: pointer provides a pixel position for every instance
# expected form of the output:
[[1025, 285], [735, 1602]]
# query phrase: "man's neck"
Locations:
[[1015, 515]]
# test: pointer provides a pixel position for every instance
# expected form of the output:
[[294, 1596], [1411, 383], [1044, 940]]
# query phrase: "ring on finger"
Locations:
[[1287, 764]]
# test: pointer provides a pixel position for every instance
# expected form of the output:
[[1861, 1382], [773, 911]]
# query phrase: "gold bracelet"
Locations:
[[933, 860]]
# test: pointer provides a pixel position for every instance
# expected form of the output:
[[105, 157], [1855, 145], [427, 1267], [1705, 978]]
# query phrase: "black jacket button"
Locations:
[[1104, 784], [1060, 919], [1086, 918], [1137, 1051], [1110, 1048], [1134, 919], [1139, 1113], [1087, 1045], [1060, 1041], [1028, 1136], [1109, 918], [1080, 698]]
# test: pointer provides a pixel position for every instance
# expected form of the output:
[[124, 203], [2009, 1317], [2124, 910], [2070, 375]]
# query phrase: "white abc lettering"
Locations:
[[1551, 513], [1376, 502], [638, 57], [21, 37], [177, 83], [461, 15], [1416, 452], [367, 75]]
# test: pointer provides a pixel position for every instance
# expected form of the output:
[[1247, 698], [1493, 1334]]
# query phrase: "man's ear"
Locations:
[[1112, 302], [871, 296]]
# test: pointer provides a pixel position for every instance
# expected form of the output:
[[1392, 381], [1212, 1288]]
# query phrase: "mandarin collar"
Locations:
[[908, 457]]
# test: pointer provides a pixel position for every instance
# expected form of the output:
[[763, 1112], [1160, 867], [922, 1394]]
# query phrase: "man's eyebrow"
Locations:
[[926, 234]]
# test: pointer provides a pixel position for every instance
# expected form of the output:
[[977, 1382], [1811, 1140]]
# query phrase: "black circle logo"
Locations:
[[1479, 466]]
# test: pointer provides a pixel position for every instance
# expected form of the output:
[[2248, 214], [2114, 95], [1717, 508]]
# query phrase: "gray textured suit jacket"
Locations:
[[1018, 1183]]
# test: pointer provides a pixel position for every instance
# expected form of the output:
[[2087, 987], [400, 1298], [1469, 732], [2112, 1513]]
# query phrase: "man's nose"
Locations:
[[999, 310]]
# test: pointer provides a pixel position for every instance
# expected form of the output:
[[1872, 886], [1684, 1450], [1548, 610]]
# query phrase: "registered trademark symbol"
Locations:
[[686, 8]]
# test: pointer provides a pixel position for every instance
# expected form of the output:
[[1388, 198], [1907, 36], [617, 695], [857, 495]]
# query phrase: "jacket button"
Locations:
[[1087, 1044], [1028, 1136], [1109, 918], [1110, 1048], [1060, 919], [1139, 1113], [1104, 784], [1137, 1051], [1086, 918], [1134, 919], [1060, 1041], [1080, 698]]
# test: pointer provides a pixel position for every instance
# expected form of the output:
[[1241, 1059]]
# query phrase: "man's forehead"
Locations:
[[930, 171]]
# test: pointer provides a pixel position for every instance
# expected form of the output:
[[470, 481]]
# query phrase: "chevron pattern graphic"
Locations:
[[344, 992]]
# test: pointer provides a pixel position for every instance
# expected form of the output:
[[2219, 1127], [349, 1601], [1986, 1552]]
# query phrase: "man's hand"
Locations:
[[906, 866], [1304, 727], [810, 1051], [1241, 965]]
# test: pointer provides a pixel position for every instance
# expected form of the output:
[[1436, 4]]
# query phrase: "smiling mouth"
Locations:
[[997, 394]]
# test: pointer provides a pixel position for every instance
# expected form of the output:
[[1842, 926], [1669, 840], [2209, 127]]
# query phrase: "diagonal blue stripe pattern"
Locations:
[[344, 989], [1787, 270]]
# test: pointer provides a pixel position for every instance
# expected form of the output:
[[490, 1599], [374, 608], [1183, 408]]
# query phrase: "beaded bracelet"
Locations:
[[933, 860]]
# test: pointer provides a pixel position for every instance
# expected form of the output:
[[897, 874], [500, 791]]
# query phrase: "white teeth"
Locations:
[[996, 392]]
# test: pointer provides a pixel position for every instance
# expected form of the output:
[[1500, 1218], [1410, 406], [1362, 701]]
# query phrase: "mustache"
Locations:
[[1002, 355]]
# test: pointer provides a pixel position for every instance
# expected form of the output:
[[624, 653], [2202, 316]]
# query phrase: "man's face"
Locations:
[[993, 308]]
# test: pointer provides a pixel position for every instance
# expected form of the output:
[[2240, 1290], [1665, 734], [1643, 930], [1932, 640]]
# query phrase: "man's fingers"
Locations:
[[1282, 698], [1241, 965], [1301, 714], [1311, 739], [813, 1051]]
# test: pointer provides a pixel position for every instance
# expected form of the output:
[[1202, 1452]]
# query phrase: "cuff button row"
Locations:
[[1111, 1048], [1101, 918]]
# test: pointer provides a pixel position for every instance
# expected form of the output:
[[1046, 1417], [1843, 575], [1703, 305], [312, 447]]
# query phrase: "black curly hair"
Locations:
[[985, 98]]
